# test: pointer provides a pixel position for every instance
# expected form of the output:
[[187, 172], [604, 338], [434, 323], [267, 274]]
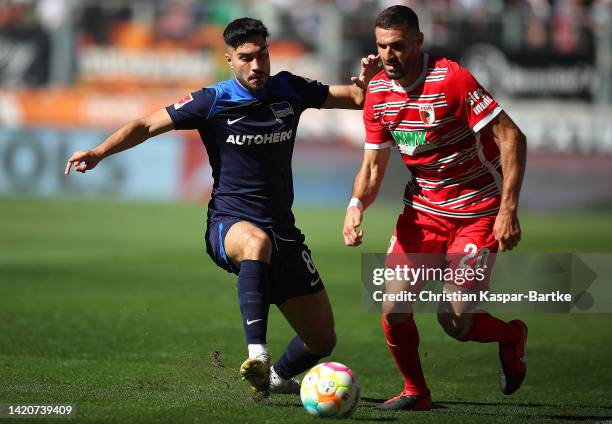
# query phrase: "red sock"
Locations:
[[486, 329], [403, 342]]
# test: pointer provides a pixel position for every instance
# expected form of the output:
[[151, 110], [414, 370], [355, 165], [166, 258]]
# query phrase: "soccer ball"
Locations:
[[330, 390]]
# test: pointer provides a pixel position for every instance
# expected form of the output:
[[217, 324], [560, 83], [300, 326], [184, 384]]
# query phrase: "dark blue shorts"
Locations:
[[292, 271]]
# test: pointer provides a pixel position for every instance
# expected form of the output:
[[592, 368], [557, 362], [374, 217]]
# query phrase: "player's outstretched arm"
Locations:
[[353, 96], [131, 134], [513, 146], [365, 189]]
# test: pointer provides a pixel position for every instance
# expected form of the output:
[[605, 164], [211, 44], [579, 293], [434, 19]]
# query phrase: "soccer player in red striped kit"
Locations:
[[460, 202]]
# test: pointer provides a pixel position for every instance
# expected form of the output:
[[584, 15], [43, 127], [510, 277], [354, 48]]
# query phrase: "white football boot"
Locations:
[[283, 386]]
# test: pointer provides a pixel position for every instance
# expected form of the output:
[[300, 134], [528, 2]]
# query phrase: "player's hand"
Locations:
[[507, 230], [369, 67], [352, 221], [82, 161]]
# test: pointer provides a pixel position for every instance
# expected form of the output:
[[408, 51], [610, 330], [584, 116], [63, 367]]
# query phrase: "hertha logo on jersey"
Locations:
[[281, 110], [427, 114]]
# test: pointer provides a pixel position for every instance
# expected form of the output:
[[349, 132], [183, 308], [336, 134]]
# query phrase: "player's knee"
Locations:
[[456, 326], [447, 322], [258, 247], [396, 313], [324, 344]]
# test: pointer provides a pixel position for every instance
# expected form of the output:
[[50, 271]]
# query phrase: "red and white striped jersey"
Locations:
[[435, 123]]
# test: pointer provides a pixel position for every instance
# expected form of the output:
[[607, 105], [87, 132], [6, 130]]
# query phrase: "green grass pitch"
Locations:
[[116, 308]]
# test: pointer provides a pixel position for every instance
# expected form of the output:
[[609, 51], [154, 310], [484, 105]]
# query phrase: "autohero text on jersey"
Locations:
[[249, 139]]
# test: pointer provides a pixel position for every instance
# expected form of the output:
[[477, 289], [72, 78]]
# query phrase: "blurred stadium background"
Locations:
[[71, 71], [111, 303]]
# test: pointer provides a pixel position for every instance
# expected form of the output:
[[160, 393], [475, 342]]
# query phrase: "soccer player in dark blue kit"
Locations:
[[248, 126]]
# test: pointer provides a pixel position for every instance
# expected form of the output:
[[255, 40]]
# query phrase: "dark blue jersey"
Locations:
[[249, 138]]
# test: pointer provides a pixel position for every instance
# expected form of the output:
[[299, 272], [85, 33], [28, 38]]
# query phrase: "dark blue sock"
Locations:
[[253, 298], [296, 359]]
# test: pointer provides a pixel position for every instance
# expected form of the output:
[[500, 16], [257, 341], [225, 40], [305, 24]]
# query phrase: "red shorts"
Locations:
[[459, 243]]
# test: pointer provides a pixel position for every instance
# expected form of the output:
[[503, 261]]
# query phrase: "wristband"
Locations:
[[356, 203]]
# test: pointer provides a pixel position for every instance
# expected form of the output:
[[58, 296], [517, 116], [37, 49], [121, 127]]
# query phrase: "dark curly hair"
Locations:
[[397, 16], [240, 30]]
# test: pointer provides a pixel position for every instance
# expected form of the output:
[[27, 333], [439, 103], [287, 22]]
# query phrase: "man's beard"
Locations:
[[259, 84], [256, 85]]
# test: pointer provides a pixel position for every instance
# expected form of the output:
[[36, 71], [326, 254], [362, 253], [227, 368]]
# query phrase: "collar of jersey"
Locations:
[[259, 94], [418, 81]]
